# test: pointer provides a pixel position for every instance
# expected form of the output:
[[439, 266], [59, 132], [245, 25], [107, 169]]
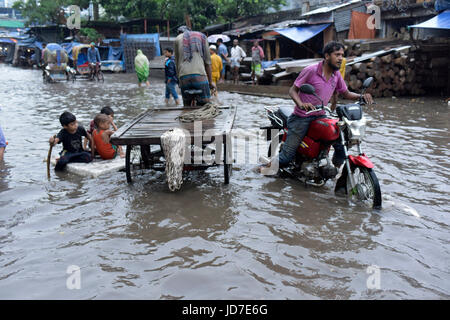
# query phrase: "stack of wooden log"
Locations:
[[394, 75], [285, 73], [433, 67]]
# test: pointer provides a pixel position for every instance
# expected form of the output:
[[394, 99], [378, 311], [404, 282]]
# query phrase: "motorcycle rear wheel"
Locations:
[[367, 186]]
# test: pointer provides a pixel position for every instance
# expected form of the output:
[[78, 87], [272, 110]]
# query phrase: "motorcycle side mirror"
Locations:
[[367, 82], [307, 89]]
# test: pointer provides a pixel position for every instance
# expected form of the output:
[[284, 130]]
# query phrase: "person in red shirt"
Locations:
[[101, 137]]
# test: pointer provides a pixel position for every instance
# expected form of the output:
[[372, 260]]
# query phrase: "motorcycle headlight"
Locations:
[[356, 129]]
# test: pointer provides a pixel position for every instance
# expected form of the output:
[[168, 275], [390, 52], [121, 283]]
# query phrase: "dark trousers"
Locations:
[[72, 157]]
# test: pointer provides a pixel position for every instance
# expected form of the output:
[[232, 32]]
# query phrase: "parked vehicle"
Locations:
[[55, 67], [312, 165]]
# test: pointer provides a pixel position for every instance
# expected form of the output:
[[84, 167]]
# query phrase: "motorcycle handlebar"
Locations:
[[316, 108]]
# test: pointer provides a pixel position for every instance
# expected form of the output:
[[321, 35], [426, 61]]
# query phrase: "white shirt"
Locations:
[[237, 53]]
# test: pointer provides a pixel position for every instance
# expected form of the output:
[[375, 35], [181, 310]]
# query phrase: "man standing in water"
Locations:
[[222, 51], [193, 61], [237, 55], [2, 144], [257, 56], [326, 79]]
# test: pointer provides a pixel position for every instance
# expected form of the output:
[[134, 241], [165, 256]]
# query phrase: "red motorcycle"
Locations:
[[312, 165]]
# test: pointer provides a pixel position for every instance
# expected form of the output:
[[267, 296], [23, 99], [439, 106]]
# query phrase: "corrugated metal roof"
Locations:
[[286, 24], [330, 8], [343, 18], [245, 30]]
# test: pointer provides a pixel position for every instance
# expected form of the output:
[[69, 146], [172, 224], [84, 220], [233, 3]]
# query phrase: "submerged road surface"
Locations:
[[74, 237]]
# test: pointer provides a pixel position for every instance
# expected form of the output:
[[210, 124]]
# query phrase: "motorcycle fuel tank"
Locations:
[[323, 130]]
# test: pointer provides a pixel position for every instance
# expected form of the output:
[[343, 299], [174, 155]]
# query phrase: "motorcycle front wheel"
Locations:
[[367, 186]]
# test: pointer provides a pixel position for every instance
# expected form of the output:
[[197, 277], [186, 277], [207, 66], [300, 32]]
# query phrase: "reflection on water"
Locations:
[[256, 238]]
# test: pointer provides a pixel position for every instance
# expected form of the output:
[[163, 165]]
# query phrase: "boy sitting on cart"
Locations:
[[71, 136]]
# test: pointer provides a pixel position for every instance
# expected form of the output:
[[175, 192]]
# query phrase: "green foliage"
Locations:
[[47, 12], [201, 12], [91, 33]]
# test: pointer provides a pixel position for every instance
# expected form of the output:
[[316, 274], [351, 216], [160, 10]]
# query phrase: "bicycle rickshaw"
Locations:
[[81, 64], [55, 66]]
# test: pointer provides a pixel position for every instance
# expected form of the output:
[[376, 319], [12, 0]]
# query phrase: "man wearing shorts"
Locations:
[[193, 61], [257, 56], [237, 55]]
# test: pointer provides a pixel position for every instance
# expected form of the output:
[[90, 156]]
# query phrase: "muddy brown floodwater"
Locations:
[[256, 238]]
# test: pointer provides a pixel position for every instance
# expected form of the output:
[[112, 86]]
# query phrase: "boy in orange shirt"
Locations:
[[101, 136]]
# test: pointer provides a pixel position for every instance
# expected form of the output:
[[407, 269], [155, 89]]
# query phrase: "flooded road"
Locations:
[[256, 238]]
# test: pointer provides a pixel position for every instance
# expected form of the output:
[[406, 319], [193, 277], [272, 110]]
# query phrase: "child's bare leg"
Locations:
[[121, 153]]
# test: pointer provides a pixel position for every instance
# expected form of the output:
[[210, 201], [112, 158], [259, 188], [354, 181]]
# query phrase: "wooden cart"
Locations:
[[142, 136]]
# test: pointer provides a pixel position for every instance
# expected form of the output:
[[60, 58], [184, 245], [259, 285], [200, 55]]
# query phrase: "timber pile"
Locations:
[[432, 66], [356, 47], [285, 73], [394, 75]]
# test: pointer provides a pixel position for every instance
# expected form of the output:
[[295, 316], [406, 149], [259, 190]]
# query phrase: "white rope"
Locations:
[[173, 143], [208, 111]]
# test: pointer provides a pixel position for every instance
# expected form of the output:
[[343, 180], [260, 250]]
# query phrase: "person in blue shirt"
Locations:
[[3, 144], [222, 51], [93, 57], [171, 76]]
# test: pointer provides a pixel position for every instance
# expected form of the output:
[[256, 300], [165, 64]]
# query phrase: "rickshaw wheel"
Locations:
[[100, 76]]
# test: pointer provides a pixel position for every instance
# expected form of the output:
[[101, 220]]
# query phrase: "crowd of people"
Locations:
[[193, 64]]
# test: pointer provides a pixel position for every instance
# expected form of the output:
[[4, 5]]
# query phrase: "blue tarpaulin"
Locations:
[[301, 34], [441, 21], [115, 53], [6, 40], [150, 37], [27, 43], [68, 47]]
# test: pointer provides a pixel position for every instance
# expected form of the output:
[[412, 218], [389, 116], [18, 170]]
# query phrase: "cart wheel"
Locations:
[[136, 161]]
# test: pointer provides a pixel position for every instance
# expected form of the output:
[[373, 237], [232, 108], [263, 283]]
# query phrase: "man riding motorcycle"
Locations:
[[326, 79], [93, 57]]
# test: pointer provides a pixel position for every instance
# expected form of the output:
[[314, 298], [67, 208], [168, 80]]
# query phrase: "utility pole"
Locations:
[[188, 21]]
